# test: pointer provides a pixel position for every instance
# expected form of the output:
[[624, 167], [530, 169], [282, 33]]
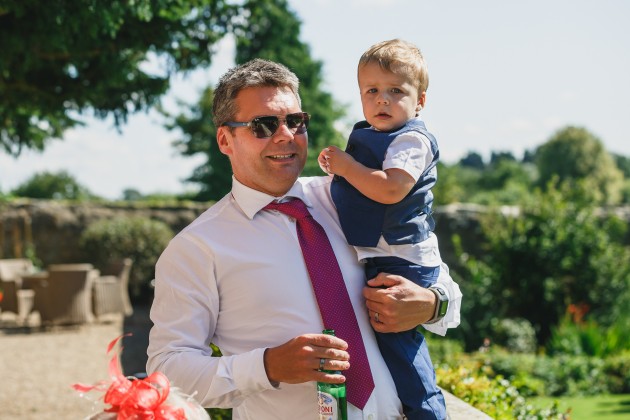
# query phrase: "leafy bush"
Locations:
[[494, 396], [138, 238], [575, 336], [572, 375], [556, 252], [553, 376], [442, 350], [617, 372], [516, 334]]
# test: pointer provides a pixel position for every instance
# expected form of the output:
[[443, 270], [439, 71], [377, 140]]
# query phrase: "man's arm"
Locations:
[[403, 305], [185, 313]]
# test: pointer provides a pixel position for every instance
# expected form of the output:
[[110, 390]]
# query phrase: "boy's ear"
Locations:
[[421, 99]]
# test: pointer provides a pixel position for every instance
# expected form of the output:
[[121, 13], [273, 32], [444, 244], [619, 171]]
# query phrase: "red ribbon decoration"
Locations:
[[140, 399]]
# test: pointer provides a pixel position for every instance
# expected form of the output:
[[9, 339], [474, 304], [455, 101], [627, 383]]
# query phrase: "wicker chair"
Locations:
[[65, 297], [111, 294], [11, 272]]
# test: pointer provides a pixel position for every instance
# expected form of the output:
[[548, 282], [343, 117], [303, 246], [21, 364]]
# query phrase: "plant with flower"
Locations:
[[151, 398]]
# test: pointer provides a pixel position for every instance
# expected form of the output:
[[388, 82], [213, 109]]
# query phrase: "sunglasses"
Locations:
[[266, 126]]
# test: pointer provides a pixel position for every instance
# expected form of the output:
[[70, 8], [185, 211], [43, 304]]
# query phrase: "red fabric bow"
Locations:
[[140, 399]]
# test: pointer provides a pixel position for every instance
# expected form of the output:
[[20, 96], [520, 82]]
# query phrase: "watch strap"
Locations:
[[441, 306]]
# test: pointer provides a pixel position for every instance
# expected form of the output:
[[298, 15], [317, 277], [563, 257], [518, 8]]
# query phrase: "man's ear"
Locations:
[[224, 140]]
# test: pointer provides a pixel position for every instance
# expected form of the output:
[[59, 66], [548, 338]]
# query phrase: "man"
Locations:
[[236, 276]]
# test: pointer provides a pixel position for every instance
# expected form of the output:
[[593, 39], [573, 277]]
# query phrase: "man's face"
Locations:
[[389, 99], [270, 165]]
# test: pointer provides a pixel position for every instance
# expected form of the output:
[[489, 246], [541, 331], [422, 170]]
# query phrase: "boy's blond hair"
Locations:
[[400, 57]]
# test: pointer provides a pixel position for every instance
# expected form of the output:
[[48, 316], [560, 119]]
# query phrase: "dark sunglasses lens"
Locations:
[[298, 121], [264, 127]]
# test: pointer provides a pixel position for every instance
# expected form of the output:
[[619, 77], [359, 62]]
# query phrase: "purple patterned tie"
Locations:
[[332, 297]]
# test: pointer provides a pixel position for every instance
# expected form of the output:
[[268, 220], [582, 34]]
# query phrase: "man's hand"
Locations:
[[401, 305], [298, 360]]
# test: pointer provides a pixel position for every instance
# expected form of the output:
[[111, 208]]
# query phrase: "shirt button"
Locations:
[[371, 417]]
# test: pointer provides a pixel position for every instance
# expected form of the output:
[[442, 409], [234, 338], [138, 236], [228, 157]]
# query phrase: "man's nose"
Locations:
[[283, 132]]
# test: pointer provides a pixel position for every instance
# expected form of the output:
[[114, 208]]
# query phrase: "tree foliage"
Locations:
[[272, 32], [49, 185], [575, 155], [59, 59], [267, 29], [472, 160], [199, 136]]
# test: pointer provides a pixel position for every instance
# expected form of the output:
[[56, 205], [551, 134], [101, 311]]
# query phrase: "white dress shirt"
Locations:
[[236, 277]]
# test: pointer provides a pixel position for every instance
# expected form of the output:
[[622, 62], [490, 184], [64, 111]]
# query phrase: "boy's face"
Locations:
[[389, 99]]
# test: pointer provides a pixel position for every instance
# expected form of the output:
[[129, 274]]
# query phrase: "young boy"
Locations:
[[382, 191]]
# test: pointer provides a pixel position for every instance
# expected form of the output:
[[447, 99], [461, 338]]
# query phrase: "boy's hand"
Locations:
[[322, 159], [335, 160]]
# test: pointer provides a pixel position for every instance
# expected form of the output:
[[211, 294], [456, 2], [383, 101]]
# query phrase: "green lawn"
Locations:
[[601, 407]]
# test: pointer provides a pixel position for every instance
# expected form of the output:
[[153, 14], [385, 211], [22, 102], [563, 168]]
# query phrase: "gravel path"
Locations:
[[38, 367]]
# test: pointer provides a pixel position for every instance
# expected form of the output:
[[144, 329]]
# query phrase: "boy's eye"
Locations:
[[372, 90], [396, 90]]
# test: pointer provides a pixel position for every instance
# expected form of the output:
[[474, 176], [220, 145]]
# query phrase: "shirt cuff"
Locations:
[[452, 317], [249, 372]]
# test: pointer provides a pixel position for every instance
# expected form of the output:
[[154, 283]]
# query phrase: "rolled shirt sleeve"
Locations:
[[452, 318]]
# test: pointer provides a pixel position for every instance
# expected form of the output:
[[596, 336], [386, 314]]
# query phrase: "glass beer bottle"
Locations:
[[332, 397]]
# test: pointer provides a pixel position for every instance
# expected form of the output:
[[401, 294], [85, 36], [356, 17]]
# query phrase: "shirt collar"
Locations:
[[251, 201]]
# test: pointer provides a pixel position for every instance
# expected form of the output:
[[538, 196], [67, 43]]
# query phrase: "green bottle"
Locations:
[[332, 397]]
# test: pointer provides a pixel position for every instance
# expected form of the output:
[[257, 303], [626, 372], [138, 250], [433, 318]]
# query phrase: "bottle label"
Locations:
[[328, 406]]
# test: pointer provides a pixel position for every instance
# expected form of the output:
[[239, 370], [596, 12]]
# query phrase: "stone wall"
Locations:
[[54, 227]]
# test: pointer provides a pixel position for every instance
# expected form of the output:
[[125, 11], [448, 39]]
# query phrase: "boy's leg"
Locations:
[[406, 353]]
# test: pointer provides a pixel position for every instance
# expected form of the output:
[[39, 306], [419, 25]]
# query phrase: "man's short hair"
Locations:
[[254, 73]]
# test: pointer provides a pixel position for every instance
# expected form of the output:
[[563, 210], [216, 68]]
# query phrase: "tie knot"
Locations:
[[294, 208]]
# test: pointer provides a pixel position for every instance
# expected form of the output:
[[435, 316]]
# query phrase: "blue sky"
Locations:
[[504, 76]]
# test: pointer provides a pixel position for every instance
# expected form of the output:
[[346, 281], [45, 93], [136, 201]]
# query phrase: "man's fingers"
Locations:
[[331, 364], [331, 378], [385, 280]]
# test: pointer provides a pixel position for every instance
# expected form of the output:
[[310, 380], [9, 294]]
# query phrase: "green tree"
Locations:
[[496, 157], [61, 59], [576, 156], [472, 160], [272, 32], [623, 163], [501, 172], [269, 30], [49, 185], [199, 136]]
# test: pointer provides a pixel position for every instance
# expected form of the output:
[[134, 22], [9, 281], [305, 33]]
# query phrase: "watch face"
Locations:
[[443, 308]]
